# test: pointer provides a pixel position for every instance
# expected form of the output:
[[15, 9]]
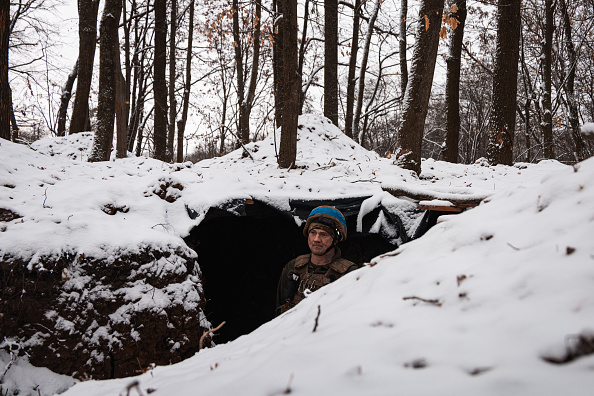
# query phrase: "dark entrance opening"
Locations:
[[243, 248]]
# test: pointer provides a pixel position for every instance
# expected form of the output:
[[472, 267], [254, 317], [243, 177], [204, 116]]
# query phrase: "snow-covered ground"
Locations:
[[475, 307]]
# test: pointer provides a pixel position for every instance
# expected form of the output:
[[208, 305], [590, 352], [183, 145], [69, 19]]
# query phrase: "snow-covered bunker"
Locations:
[[243, 245]]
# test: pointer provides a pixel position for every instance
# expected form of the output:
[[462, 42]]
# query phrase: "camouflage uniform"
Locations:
[[300, 275]]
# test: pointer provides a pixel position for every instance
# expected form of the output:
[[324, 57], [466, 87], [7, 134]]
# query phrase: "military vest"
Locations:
[[313, 277]]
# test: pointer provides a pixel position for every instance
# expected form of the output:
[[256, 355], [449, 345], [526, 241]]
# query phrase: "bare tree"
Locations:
[[292, 81], [351, 80], [453, 81], [402, 46], [331, 60], [87, 33], [503, 115], [172, 62], [108, 46], [418, 89], [181, 125], [547, 57], [160, 86], [245, 101], [580, 151], [4, 87], [65, 100], [363, 70], [277, 62]]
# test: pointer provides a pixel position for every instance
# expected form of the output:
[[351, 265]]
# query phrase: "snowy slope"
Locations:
[[471, 308]]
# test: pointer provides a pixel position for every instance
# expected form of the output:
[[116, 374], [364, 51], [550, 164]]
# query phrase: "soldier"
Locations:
[[325, 227]]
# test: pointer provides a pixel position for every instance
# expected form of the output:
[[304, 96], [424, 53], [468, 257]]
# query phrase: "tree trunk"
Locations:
[[547, 49], [108, 46], [331, 60], [13, 123], [302, 48], [65, 99], [181, 127], [503, 115], [159, 84], [579, 144], [292, 83], [453, 85], [121, 108], [418, 89], [139, 81], [351, 82], [251, 94], [87, 33], [361, 90], [277, 57], [402, 47], [4, 86], [172, 61]]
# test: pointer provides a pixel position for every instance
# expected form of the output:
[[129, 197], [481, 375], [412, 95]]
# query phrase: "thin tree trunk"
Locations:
[[65, 99], [302, 48], [331, 60], [453, 85], [87, 32], [503, 115], [139, 81], [292, 83], [107, 81], [351, 81], [579, 144], [160, 86], [277, 57], [418, 89], [172, 61], [121, 110], [547, 49], [361, 90], [402, 46], [181, 127], [14, 127], [4, 86]]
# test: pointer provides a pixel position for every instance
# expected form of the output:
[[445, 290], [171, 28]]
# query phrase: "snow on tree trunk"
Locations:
[[418, 90]]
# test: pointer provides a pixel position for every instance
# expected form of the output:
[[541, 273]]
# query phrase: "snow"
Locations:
[[471, 308], [587, 130]]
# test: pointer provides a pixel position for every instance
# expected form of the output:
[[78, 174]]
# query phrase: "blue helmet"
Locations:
[[330, 217]]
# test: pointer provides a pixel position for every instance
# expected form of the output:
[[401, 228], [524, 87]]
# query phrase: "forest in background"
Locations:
[[508, 80]]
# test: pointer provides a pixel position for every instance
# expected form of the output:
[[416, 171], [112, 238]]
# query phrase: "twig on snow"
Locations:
[[434, 302], [317, 317], [206, 333]]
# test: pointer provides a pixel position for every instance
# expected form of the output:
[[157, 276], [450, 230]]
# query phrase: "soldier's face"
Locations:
[[319, 241]]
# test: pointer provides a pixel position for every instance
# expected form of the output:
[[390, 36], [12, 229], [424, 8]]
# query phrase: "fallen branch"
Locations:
[[434, 302], [317, 317], [288, 388], [206, 333]]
